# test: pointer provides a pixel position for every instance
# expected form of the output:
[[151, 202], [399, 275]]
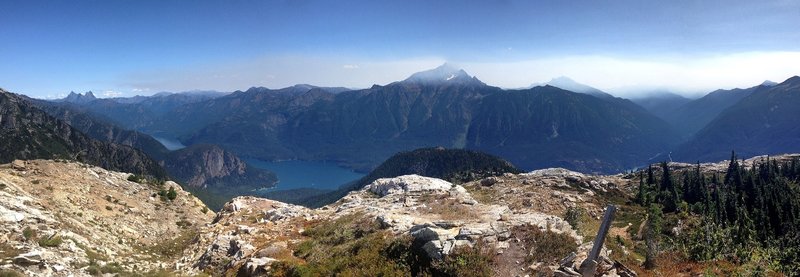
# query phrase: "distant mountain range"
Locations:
[[538, 127], [561, 123], [765, 121]]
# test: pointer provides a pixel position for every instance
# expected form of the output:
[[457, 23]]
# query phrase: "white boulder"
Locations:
[[407, 183]]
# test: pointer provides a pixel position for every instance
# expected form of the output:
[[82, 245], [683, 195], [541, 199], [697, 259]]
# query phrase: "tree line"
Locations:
[[748, 212]]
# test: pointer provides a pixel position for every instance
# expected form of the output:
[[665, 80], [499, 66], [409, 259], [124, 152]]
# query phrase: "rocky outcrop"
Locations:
[[206, 165], [73, 219], [246, 235], [78, 98], [407, 184], [250, 234], [441, 215]]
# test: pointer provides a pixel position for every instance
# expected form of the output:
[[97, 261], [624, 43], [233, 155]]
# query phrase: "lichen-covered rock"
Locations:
[[407, 183]]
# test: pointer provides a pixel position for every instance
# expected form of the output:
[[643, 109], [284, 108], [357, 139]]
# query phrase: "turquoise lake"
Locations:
[[307, 174]]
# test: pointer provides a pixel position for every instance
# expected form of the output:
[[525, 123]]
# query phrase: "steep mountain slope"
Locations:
[[246, 122], [551, 127], [100, 128], [214, 173], [205, 165], [765, 122], [696, 114], [29, 133]]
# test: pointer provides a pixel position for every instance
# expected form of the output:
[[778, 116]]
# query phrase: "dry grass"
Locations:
[[171, 247], [447, 208], [466, 261], [482, 194], [8, 252], [546, 246]]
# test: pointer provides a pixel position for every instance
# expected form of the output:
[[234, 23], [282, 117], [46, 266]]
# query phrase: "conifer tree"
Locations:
[[652, 235], [641, 195], [668, 192]]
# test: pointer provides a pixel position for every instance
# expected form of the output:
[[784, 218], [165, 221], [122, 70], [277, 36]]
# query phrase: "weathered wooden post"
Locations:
[[589, 266]]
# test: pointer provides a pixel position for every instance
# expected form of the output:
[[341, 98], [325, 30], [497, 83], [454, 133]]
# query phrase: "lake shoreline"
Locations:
[[299, 174]]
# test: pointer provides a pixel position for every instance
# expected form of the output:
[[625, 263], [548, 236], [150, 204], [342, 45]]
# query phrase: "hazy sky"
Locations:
[[49, 48]]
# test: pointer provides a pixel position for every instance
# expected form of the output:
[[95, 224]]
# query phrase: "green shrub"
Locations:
[[135, 178], [94, 270], [2, 186], [28, 233], [183, 223], [111, 268], [353, 245], [172, 194], [573, 216], [171, 247], [53, 241]]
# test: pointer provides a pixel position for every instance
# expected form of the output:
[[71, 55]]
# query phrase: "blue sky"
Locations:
[[142, 47]]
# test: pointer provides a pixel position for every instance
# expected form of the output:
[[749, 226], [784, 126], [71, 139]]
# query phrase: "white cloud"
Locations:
[[55, 96], [350, 66], [111, 93]]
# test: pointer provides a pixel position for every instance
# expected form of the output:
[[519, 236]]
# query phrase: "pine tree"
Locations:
[[668, 192], [641, 195], [652, 235], [688, 184], [733, 176]]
